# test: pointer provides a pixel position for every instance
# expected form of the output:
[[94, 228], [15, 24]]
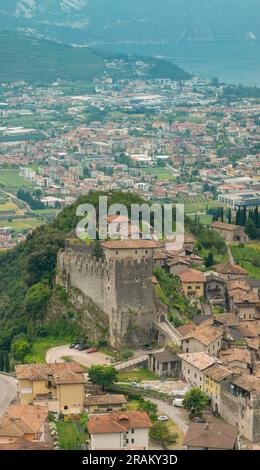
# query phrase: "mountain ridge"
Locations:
[[27, 58], [85, 21]]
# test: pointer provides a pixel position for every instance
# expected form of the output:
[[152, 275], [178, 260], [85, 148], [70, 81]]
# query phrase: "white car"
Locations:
[[163, 418], [178, 402]]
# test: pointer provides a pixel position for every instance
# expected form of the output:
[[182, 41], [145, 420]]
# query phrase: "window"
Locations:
[[146, 252], [195, 375], [133, 441], [127, 441], [65, 407], [116, 252], [133, 431], [187, 350]]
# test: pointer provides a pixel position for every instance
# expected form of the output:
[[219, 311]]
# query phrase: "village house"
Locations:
[[230, 233], [59, 386], [239, 359], [210, 436], [193, 366], [164, 363], [24, 422], [193, 283], [215, 288], [243, 302], [240, 404], [118, 431], [202, 338], [214, 376], [231, 271], [104, 403]]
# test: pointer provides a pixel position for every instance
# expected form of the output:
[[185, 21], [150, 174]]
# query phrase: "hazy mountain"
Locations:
[[134, 20], [39, 60]]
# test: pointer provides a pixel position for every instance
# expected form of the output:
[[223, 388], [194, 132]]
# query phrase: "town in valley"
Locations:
[[127, 344]]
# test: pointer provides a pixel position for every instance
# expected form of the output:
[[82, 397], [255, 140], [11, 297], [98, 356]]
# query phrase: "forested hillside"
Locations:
[[27, 276]]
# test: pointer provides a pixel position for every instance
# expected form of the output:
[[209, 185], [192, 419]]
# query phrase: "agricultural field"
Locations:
[[18, 225], [248, 256], [196, 204], [11, 181]]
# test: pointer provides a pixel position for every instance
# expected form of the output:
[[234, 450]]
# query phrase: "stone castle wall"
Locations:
[[121, 288]]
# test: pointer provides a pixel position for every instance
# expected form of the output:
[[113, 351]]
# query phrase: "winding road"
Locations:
[[8, 391]]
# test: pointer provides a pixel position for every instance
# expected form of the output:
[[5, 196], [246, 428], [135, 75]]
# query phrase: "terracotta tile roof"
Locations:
[[192, 275], [22, 444], [22, 419], [247, 382], [204, 334], [188, 238], [230, 269], [212, 436], [132, 244], [228, 319], [224, 226], [235, 354], [238, 284], [200, 360], [118, 422], [185, 329], [218, 372], [244, 297], [62, 373], [105, 400]]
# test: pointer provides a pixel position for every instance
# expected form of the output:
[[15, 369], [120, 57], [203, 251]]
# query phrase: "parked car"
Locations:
[[148, 347], [163, 418], [91, 350], [77, 346], [178, 402], [72, 346], [198, 419], [135, 384], [83, 347]]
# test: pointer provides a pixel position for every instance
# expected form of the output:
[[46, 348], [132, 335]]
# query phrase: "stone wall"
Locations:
[[122, 288]]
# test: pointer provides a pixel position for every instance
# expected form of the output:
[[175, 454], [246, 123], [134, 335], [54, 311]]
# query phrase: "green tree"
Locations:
[[209, 260], [195, 401], [161, 433], [20, 348], [102, 375], [149, 407]]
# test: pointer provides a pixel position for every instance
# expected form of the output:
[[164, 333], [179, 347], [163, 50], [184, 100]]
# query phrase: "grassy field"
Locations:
[[11, 181], [204, 219], [41, 346], [21, 224], [70, 435], [161, 173], [196, 204], [136, 375], [248, 256]]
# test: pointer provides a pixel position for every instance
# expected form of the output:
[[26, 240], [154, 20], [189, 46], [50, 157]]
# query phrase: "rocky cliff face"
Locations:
[[135, 20]]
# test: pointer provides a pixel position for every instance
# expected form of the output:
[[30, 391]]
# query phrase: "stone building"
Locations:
[[120, 283], [230, 233], [240, 404], [164, 363]]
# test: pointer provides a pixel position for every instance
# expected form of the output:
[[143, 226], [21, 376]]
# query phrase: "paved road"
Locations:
[[178, 415], [8, 390], [57, 355]]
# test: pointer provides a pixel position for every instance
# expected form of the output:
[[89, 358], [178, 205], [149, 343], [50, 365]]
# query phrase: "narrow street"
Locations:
[[178, 415]]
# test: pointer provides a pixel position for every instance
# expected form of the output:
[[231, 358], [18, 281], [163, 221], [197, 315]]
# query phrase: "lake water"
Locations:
[[231, 61]]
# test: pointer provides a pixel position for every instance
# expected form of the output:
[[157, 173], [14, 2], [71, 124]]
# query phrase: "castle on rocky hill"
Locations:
[[120, 283]]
